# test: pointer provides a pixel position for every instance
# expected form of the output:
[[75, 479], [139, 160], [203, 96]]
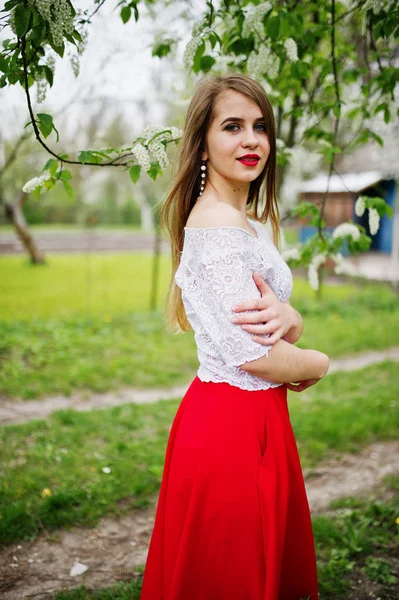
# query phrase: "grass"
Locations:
[[356, 549], [52, 471], [56, 356], [357, 545], [82, 323], [92, 285]]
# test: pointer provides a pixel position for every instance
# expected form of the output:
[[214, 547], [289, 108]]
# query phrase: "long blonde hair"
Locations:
[[186, 175]]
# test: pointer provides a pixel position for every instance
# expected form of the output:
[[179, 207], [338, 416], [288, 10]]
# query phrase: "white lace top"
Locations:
[[215, 272]]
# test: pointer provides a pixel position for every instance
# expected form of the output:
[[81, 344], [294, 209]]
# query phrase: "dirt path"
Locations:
[[19, 411], [114, 548]]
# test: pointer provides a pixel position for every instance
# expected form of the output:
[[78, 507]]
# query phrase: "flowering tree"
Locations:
[[327, 66]]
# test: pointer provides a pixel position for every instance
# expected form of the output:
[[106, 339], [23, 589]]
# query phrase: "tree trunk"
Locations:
[[15, 216]]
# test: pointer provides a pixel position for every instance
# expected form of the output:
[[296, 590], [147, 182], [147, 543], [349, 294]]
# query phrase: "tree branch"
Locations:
[[112, 163], [336, 124]]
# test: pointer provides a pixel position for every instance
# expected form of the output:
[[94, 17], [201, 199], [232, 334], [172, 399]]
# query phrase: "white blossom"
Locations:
[[291, 253], [346, 229], [59, 17], [41, 88], [142, 156], [163, 133], [360, 206], [374, 220], [193, 44], [313, 270], [75, 64], [263, 62], [198, 27], [35, 182], [253, 22], [106, 470], [158, 150], [291, 48], [190, 51]]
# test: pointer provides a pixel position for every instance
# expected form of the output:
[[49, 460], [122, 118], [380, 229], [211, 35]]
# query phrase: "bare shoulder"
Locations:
[[217, 215]]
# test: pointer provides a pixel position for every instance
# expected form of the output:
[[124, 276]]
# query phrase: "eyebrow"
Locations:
[[240, 119]]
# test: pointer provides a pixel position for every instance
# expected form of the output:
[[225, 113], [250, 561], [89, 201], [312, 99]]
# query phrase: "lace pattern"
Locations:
[[215, 272]]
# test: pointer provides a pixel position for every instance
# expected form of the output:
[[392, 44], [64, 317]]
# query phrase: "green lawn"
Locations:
[[356, 549], [67, 453], [83, 323]]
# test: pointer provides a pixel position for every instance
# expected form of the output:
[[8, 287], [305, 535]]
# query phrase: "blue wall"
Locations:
[[382, 241]]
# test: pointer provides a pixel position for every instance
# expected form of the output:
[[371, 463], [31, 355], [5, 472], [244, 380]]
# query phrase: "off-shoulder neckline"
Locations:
[[257, 237]]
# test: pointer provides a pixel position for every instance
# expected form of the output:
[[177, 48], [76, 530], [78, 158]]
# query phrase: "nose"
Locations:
[[249, 137]]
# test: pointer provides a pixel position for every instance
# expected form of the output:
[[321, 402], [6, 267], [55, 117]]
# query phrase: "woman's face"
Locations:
[[238, 129]]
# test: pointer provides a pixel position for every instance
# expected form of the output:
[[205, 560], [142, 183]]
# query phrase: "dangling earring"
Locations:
[[203, 176]]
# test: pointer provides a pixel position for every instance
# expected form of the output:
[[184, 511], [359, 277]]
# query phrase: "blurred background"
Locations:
[[90, 376]]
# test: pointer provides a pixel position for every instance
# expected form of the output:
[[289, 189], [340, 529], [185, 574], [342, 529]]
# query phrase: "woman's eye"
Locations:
[[228, 127], [234, 125]]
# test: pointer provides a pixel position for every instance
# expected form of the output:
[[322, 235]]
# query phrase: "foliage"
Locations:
[[305, 54]]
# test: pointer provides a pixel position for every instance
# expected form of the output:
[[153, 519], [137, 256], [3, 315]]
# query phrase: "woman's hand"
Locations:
[[299, 386], [273, 316]]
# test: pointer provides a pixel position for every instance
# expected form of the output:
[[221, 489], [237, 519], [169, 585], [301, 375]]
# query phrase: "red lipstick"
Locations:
[[249, 160]]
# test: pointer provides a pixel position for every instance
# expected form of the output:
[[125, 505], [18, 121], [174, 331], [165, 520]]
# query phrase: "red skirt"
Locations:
[[232, 519]]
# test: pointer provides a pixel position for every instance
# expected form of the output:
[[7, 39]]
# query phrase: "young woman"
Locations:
[[232, 520]]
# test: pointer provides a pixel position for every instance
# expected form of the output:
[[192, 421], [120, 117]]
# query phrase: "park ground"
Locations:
[[80, 482]]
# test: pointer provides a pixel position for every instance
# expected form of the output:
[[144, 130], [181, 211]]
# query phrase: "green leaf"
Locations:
[[10, 4], [161, 50], [3, 65], [68, 188], [45, 124], [377, 138], [154, 170], [13, 78], [70, 38], [49, 184], [285, 29], [351, 75], [58, 49], [134, 173], [207, 63], [87, 157], [126, 13], [77, 35], [273, 27], [213, 38], [22, 18], [38, 33], [51, 165], [49, 75], [64, 175], [197, 57]]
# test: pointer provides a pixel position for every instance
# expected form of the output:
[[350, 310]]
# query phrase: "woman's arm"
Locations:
[[295, 332], [285, 363], [279, 319]]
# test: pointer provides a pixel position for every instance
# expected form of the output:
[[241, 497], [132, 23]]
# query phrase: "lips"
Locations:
[[249, 159]]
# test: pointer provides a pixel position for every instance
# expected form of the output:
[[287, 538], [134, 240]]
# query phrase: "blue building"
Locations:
[[343, 191]]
